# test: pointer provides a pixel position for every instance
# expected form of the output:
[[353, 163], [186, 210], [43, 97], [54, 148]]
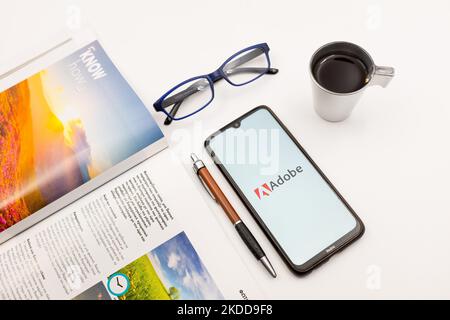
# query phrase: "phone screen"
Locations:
[[291, 197]]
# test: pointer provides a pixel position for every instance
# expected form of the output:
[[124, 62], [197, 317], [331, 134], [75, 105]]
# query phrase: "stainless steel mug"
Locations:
[[335, 106]]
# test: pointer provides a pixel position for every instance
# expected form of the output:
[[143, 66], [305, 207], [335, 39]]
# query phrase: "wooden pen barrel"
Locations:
[[218, 195]]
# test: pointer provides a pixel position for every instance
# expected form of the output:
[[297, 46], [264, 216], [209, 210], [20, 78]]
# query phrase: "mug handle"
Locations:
[[382, 76]]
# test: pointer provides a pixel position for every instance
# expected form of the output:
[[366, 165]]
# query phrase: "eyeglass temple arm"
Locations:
[[231, 67], [173, 113], [252, 70], [243, 59], [180, 96]]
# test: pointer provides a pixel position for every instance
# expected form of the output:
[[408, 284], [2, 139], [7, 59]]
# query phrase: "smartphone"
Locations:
[[298, 208]]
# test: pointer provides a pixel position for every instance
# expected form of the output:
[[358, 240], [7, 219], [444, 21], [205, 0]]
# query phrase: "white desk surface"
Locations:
[[390, 160]]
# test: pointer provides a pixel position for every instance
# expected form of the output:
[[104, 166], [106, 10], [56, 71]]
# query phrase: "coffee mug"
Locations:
[[341, 72]]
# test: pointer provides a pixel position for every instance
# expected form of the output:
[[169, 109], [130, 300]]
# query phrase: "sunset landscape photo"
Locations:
[[39, 160]]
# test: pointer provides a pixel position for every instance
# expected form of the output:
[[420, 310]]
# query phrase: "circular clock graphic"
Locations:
[[118, 284]]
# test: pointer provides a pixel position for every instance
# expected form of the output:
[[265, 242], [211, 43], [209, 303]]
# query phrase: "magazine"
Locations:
[[86, 200], [65, 130]]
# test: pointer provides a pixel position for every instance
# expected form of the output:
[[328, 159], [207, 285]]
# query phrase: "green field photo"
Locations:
[[171, 271], [145, 283]]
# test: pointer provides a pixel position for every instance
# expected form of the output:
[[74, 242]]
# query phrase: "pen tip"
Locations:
[[268, 266], [194, 157]]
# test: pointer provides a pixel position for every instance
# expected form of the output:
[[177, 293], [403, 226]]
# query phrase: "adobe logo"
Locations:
[[267, 188], [264, 190]]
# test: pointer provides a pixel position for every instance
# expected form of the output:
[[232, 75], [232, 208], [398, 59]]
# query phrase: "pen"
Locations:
[[216, 193]]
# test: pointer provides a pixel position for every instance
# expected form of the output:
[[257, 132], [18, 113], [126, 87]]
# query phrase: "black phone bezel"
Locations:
[[322, 256]]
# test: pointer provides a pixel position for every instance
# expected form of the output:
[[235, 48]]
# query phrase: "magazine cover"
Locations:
[[65, 127]]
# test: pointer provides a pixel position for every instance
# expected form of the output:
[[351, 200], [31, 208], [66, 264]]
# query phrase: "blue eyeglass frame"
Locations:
[[213, 77]]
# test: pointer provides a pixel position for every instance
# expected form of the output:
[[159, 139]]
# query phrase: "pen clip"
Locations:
[[206, 187]]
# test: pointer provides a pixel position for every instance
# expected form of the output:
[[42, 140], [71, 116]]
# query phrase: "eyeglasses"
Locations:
[[195, 94]]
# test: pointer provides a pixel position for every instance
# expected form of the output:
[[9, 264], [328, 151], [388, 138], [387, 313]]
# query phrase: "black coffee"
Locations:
[[341, 73]]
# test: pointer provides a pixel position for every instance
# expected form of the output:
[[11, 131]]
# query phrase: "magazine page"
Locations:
[[129, 239], [69, 122]]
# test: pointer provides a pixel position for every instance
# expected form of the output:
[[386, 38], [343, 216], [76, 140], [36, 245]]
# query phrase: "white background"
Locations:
[[390, 160]]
